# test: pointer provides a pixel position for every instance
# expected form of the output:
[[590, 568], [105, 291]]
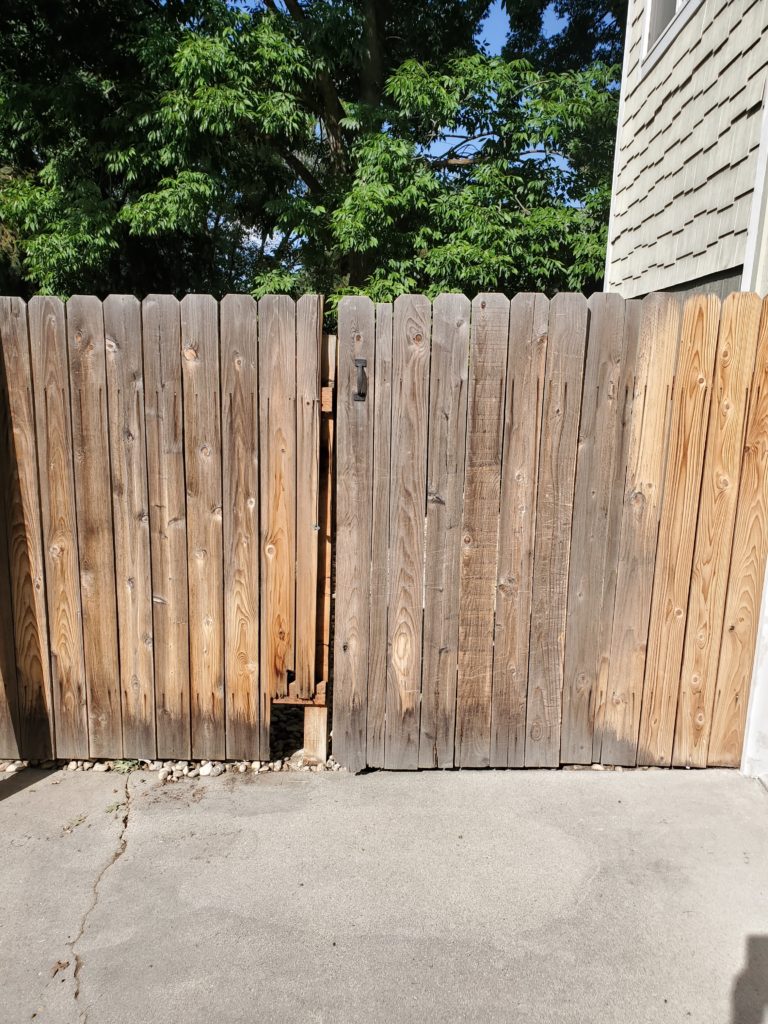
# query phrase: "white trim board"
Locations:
[[755, 275], [652, 54]]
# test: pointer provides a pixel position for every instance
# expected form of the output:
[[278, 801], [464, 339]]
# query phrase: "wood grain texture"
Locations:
[[163, 406], [480, 528], [93, 495], [25, 543], [316, 734], [734, 366], [202, 460], [240, 469], [354, 488], [378, 641], [632, 314], [592, 570], [554, 510], [130, 510], [309, 326], [10, 723], [747, 574], [407, 509], [48, 347], [445, 489], [658, 338], [277, 440], [677, 529], [526, 363]]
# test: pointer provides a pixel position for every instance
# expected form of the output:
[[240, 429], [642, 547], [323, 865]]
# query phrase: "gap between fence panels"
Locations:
[[522, 532]]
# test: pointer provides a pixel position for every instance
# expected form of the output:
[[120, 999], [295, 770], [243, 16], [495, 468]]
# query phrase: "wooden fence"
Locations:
[[552, 527], [166, 519]]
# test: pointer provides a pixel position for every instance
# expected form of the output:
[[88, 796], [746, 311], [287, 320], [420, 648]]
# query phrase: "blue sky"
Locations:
[[496, 26]]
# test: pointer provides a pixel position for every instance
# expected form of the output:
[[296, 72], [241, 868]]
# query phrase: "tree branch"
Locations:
[[313, 183]]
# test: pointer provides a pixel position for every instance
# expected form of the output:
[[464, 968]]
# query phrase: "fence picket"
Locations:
[[27, 576], [747, 573], [240, 481], [130, 510], [163, 408], [202, 460], [677, 530], [445, 487]]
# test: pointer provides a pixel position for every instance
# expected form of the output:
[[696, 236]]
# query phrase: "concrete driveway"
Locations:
[[579, 897]]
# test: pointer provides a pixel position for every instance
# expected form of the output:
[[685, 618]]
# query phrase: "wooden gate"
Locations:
[[552, 526], [160, 587]]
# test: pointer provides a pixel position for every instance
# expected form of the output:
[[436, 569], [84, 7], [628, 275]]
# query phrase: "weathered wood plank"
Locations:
[[48, 346], [480, 528], [408, 483], [659, 333], [130, 510], [309, 326], [677, 529], [316, 734], [27, 576], [445, 489], [93, 499], [747, 574], [528, 326], [354, 489], [163, 406], [240, 468], [554, 510], [277, 441], [591, 563], [202, 460], [326, 509], [632, 314], [10, 723], [734, 366], [382, 427]]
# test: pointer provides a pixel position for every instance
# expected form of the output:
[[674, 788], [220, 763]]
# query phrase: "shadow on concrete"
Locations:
[[749, 999], [10, 785]]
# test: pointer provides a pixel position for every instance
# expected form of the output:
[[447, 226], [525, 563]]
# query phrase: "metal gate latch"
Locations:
[[362, 381]]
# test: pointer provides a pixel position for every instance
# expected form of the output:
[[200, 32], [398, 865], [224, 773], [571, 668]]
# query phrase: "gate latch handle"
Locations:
[[362, 381]]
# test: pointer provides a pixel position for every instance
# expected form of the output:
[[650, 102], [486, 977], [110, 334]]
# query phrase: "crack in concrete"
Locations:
[[122, 843]]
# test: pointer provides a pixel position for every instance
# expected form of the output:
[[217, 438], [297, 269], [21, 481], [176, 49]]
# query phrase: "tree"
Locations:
[[181, 145], [587, 31]]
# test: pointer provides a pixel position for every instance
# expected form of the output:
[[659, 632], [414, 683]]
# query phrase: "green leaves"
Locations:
[[316, 145]]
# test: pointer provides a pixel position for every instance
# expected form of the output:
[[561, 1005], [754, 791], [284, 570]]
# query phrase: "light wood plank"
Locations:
[[48, 346], [382, 427], [130, 510], [316, 734], [480, 528], [309, 327], [240, 467], [445, 489], [658, 338], [354, 488], [592, 550], [202, 460], [30, 620], [528, 326], [277, 440], [163, 405], [734, 366], [93, 498], [747, 574], [408, 493], [677, 530], [554, 511]]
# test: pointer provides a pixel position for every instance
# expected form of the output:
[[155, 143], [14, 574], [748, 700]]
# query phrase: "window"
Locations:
[[664, 20], [662, 12]]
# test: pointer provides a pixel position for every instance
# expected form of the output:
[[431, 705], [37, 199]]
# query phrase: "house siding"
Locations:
[[687, 146]]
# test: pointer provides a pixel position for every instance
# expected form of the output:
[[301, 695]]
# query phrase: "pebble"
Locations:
[[101, 766], [206, 769], [193, 773], [242, 768], [255, 765], [72, 766], [163, 774], [87, 765], [216, 770]]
